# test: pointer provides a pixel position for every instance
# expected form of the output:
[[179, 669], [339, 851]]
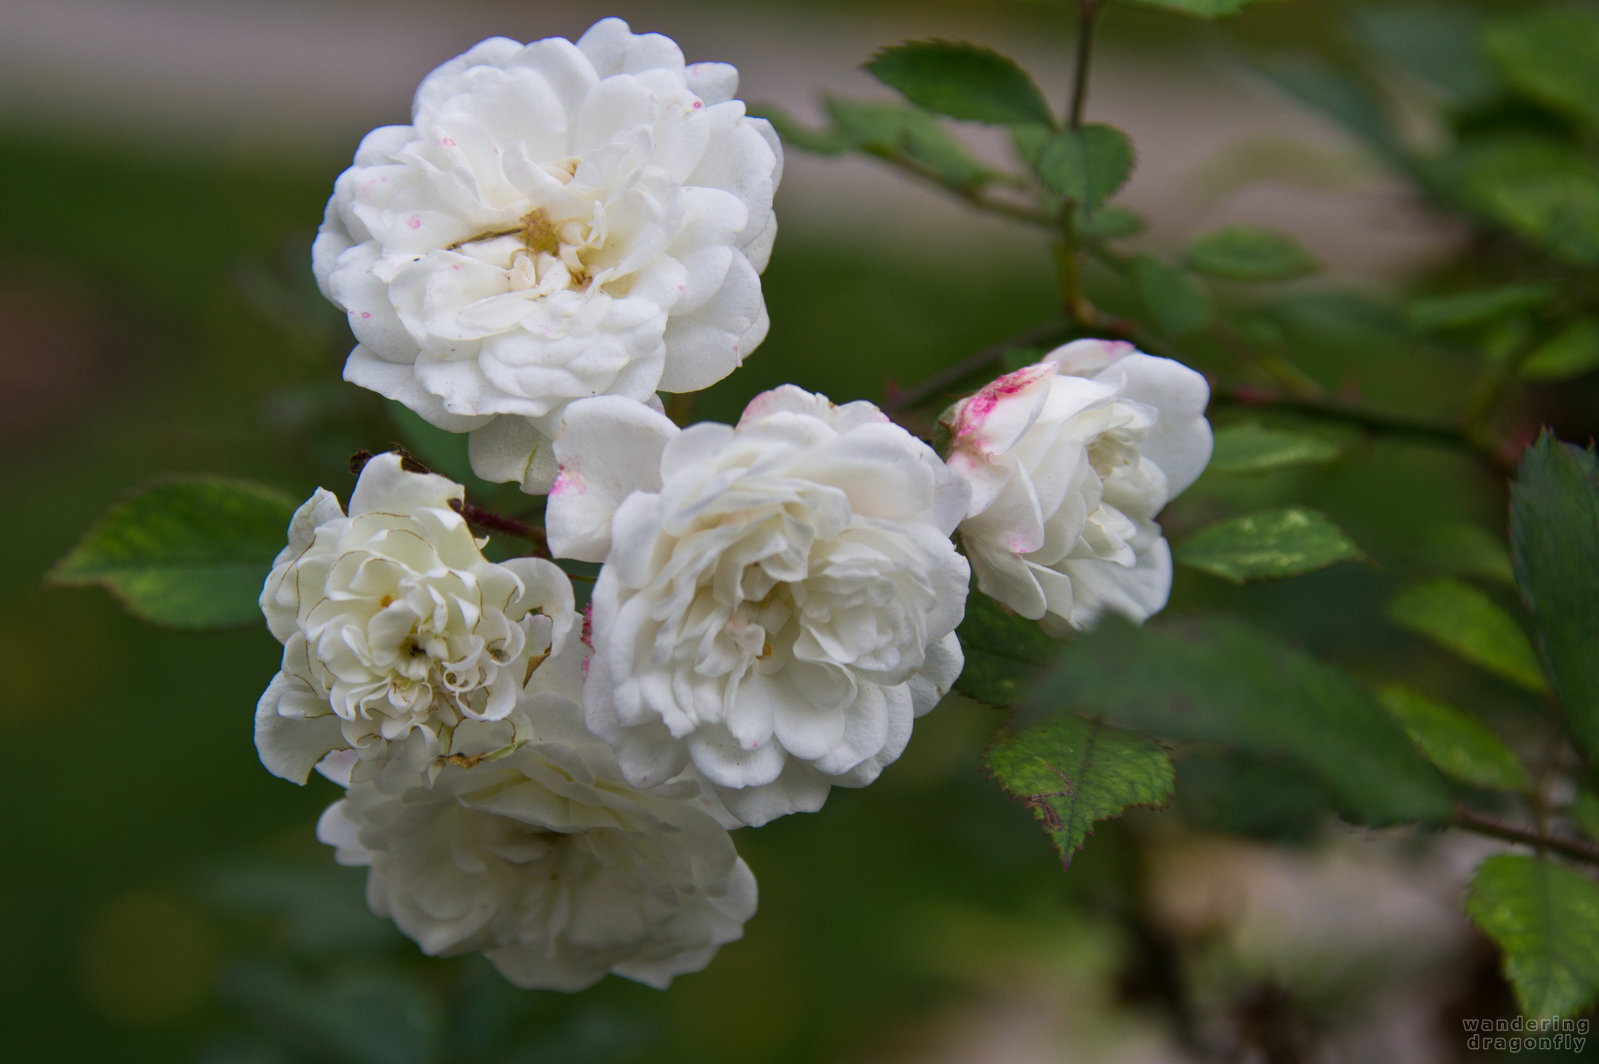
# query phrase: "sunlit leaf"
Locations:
[[963, 81], [1217, 680], [1462, 748], [1074, 773], [1249, 253], [1554, 535], [1464, 620], [191, 553], [1086, 164], [1571, 352], [1545, 918], [1267, 546], [1253, 448]]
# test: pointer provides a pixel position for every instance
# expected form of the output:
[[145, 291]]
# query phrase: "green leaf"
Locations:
[[1177, 304], [891, 129], [1572, 352], [1249, 253], [1242, 795], [1464, 620], [1086, 164], [1003, 652], [1438, 42], [1075, 772], [1109, 223], [191, 553], [796, 134], [1552, 56], [1474, 308], [1584, 812], [1253, 448], [1268, 545], [1554, 537], [1217, 680], [1206, 9], [1545, 919], [963, 81], [1469, 550], [1338, 93], [1542, 189], [1462, 748]]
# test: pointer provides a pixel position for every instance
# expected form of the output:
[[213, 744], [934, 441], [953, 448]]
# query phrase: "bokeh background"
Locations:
[[163, 167]]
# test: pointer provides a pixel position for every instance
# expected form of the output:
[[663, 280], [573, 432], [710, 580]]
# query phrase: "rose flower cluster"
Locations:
[[564, 231]]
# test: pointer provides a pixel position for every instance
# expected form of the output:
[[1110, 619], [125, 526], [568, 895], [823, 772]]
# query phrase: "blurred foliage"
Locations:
[[178, 908]]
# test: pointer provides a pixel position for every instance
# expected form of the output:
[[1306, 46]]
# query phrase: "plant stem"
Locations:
[[1087, 10], [1496, 829], [494, 522], [986, 359], [971, 194]]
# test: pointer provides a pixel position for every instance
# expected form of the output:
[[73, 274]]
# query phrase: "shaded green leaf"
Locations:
[[1003, 652], [797, 134], [1542, 189], [1551, 55], [1469, 550], [1109, 223], [1572, 352], [1461, 747], [1249, 253], [1253, 448], [1206, 9], [1545, 919], [1223, 790], [191, 553], [1554, 536], [1177, 304], [1337, 92], [1438, 42], [891, 129], [1217, 680], [1268, 545], [1464, 620], [1474, 308], [1086, 164], [1074, 773], [962, 80]]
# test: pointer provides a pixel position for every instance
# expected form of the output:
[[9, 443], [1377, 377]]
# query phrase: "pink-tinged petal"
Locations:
[[607, 449]]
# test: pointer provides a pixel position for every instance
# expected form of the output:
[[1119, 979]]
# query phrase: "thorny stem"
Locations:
[[494, 522], [1496, 829], [1087, 10]]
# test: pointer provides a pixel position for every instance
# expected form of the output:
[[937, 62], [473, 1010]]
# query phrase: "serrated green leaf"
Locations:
[[1542, 189], [1217, 680], [1572, 352], [1109, 223], [1253, 448], [1087, 164], [1552, 56], [1473, 308], [1206, 9], [1462, 748], [1003, 652], [962, 80], [890, 128], [1177, 304], [1075, 773], [1462, 619], [1249, 253], [1545, 919], [191, 553], [1266, 546], [1554, 536], [1469, 550]]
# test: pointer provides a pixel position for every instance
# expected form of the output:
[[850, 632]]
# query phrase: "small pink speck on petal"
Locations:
[[680, 288], [698, 105], [414, 222], [448, 142], [365, 314]]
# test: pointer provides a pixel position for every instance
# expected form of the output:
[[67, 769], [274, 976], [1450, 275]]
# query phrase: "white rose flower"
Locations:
[[558, 221], [1069, 461], [778, 600], [394, 626], [541, 856]]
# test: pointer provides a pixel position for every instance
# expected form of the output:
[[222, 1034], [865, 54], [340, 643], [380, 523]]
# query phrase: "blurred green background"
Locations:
[[168, 899]]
